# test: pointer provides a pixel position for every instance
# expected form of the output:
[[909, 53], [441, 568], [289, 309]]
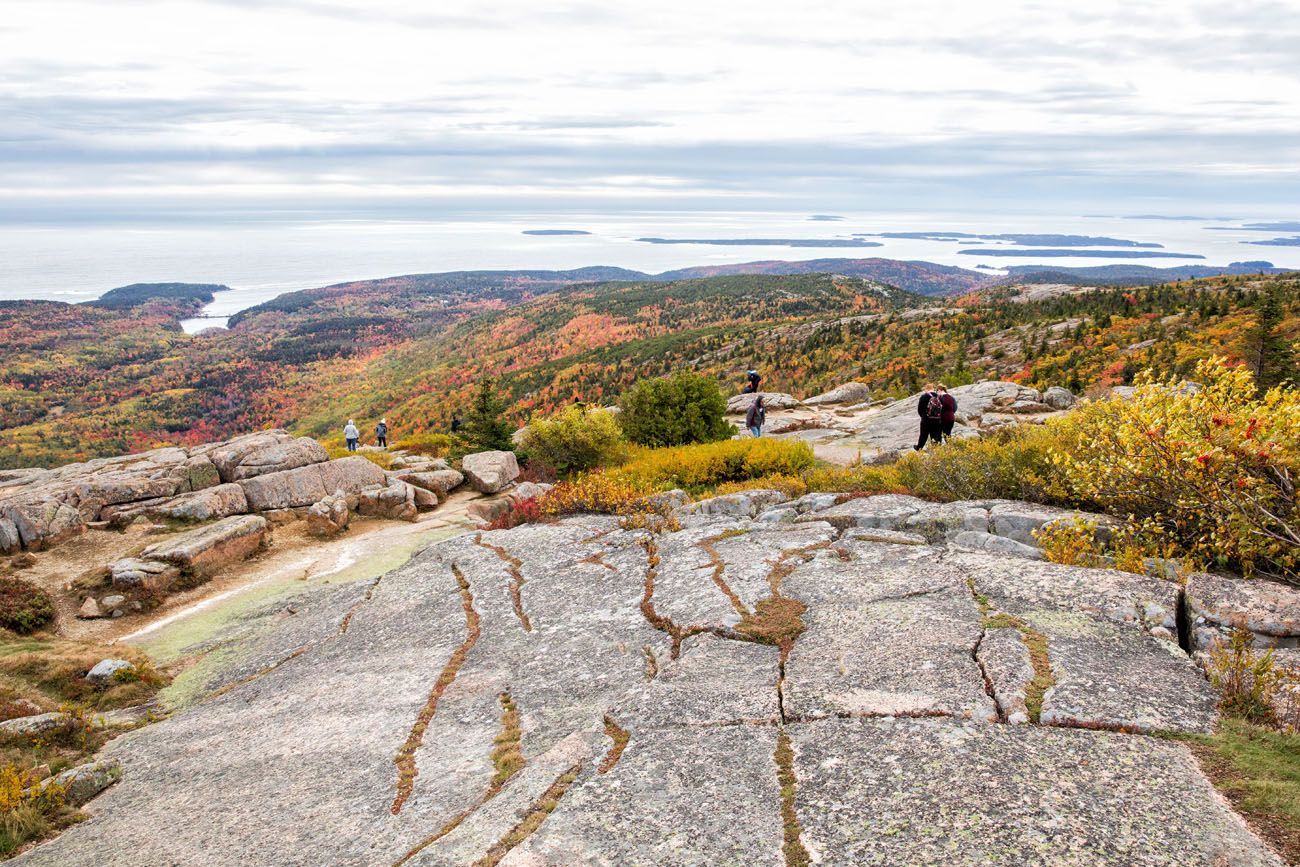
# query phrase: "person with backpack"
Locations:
[[930, 409], [381, 433], [352, 435], [949, 417], [756, 417], [754, 379]]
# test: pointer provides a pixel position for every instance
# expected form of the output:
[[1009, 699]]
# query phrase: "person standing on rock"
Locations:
[[930, 409], [455, 422], [381, 433], [754, 378], [949, 417], [352, 435], [756, 417]]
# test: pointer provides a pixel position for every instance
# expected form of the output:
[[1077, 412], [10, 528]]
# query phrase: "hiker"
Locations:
[[756, 417], [381, 433], [753, 378], [949, 417], [352, 435], [930, 409], [455, 422]]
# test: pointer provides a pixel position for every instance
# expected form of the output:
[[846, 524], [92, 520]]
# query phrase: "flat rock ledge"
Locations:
[[724, 694]]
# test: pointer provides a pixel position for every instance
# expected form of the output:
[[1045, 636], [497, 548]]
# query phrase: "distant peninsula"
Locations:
[[826, 218], [186, 294], [766, 242], [555, 232], [1279, 226], [1092, 254], [1293, 241], [1023, 240]]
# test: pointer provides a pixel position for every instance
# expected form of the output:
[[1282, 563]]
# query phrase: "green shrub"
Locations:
[[1014, 463], [574, 440], [675, 410], [24, 607]]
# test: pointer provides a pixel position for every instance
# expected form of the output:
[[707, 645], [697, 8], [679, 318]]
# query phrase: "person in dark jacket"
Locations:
[[930, 409], [381, 433], [455, 422], [754, 379], [756, 417], [949, 417]]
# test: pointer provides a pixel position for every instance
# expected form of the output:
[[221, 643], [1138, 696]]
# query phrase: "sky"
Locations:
[[257, 109]]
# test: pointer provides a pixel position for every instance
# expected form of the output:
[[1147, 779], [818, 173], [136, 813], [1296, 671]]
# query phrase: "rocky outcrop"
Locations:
[[43, 523], [132, 572], [105, 671], [205, 550], [306, 485], [712, 695], [490, 472], [849, 392], [84, 782], [208, 504], [1059, 398], [260, 453], [739, 404], [440, 482], [1217, 605]]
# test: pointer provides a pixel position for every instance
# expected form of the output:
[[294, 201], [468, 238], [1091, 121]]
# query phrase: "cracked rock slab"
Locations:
[[942, 792], [688, 796], [1268, 609], [892, 633], [1005, 660]]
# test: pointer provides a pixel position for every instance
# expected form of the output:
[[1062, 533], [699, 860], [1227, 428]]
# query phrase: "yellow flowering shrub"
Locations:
[[706, 465], [595, 492], [1212, 469]]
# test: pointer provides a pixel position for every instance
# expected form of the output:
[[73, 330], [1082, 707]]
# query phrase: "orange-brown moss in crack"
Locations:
[[620, 736]]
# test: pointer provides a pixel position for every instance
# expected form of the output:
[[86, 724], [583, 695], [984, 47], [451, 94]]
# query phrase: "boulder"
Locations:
[[1027, 407], [201, 473], [977, 541], [490, 472], [112, 605], [150, 574], [34, 725], [666, 501], [9, 538], [228, 456], [440, 482], [89, 609], [395, 501], [745, 504], [207, 504], [488, 510], [44, 523], [1059, 398], [739, 404], [84, 782], [105, 671], [1269, 610], [425, 501], [328, 516], [279, 457], [310, 484], [207, 549], [528, 491], [849, 392], [1019, 521]]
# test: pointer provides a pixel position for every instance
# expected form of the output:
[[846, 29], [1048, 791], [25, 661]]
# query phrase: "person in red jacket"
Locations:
[[949, 416]]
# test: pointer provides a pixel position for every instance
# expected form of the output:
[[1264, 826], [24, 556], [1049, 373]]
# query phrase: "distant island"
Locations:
[[1277, 242], [825, 218], [1092, 254], [1280, 226], [1024, 240], [555, 232], [766, 242]]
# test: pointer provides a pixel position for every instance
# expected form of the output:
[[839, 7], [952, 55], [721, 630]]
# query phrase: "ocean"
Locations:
[[262, 259]]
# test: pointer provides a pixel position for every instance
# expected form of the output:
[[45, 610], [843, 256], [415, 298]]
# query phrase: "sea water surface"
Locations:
[[266, 258]]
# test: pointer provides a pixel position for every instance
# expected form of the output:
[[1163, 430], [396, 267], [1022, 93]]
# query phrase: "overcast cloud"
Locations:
[[204, 108]]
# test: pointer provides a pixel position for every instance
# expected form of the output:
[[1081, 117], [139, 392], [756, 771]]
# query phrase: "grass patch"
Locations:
[[383, 460], [507, 757], [1258, 770], [620, 736], [544, 806]]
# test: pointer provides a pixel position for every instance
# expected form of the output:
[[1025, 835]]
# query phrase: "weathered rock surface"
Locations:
[[309, 484], [106, 669], [265, 452], [1059, 398], [441, 482], [745, 504], [849, 392], [490, 472], [35, 724], [649, 682], [395, 501], [206, 549], [739, 403], [937, 792], [84, 782], [1268, 609], [134, 572]]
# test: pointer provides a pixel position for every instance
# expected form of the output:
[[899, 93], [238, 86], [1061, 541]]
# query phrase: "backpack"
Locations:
[[934, 408]]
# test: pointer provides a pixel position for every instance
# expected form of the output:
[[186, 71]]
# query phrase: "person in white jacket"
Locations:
[[352, 435]]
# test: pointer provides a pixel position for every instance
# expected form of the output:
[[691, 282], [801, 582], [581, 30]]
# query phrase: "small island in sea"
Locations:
[[766, 242], [825, 218], [1091, 254], [1293, 241], [555, 232], [1019, 239]]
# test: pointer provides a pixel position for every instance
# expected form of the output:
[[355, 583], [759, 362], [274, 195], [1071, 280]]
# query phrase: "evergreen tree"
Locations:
[[485, 428], [1269, 353]]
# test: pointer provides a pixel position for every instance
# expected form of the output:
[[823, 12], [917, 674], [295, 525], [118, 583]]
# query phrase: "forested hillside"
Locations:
[[79, 381]]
